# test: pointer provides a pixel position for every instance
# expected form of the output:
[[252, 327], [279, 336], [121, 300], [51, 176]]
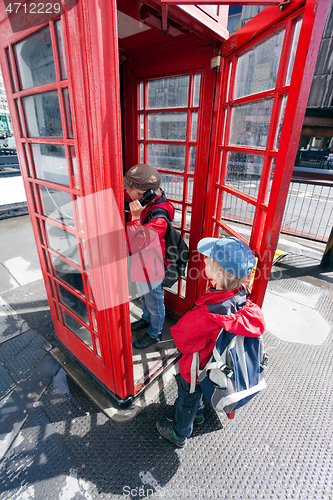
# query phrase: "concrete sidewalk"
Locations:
[[55, 443]]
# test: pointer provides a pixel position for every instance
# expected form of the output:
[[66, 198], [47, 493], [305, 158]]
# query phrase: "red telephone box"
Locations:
[[90, 92]]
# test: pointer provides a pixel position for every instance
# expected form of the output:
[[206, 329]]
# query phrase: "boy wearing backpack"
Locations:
[[146, 242], [228, 262]]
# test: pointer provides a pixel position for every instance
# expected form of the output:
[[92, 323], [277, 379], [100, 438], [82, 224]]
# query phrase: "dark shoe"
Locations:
[[199, 419], [139, 325], [145, 341], [164, 427]]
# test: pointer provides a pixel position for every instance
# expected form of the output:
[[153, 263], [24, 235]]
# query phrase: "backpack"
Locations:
[[234, 373], [176, 249]]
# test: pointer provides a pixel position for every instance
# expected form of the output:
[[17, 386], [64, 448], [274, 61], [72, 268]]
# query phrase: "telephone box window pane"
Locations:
[[141, 127], [73, 303], [67, 273], [50, 163], [194, 126], [173, 186], [68, 112], [57, 205], [11, 71], [168, 92], [141, 95], [35, 62], [27, 160], [244, 172], [142, 153], [167, 156], [280, 123], [190, 183], [196, 89], [293, 51], [75, 174], [63, 242], [19, 114], [77, 328], [237, 210], [42, 115], [61, 50], [250, 123], [192, 159], [167, 126], [257, 69], [178, 215]]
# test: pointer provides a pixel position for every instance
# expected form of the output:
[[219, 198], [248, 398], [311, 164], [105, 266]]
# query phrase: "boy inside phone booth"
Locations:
[[146, 243]]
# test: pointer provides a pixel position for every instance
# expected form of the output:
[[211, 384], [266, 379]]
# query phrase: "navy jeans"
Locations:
[[187, 406], [152, 302]]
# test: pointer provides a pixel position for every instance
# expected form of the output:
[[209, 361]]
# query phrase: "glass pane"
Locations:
[[26, 155], [11, 70], [244, 172], [173, 186], [34, 58], [293, 51], [75, 174], [142, 153], [141, 95], [167, 156], [79, 330], [72, 302], [280, 123], [237, 210], [188, 217], [19, 115], [67, 273], [62, 242], [257, 69], [167, 126], [50, 163], [33, 197], [250, 123], [190, 183], [228, 85], [61, 50], [98, 348], [194, 126], [177, 221], [196, 89], [42, 115], [141, 127], [192, 159], [168, 92], [68, 113], [57, 205]]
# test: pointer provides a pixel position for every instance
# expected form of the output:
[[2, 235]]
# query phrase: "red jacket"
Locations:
[[146, 242], [198, 329]]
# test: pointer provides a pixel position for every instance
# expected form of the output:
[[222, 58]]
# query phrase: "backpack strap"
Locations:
[[194, 371], [155, 213], [195, 365]]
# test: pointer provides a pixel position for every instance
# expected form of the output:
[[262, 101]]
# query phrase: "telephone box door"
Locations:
[[68, 134], [266, 74]]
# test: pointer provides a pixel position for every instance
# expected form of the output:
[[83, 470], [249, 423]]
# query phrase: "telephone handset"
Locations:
[[148, 196]]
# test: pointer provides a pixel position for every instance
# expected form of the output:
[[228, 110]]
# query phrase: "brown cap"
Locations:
[[142, 177]]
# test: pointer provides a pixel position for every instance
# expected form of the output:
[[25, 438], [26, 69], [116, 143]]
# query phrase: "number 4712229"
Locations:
[[34, 8]]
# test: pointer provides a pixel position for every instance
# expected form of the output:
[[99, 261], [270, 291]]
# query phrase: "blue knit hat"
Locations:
[[230, 253]]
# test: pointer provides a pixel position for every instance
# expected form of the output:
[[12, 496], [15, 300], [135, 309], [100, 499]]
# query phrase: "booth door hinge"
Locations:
[[215, 62]]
